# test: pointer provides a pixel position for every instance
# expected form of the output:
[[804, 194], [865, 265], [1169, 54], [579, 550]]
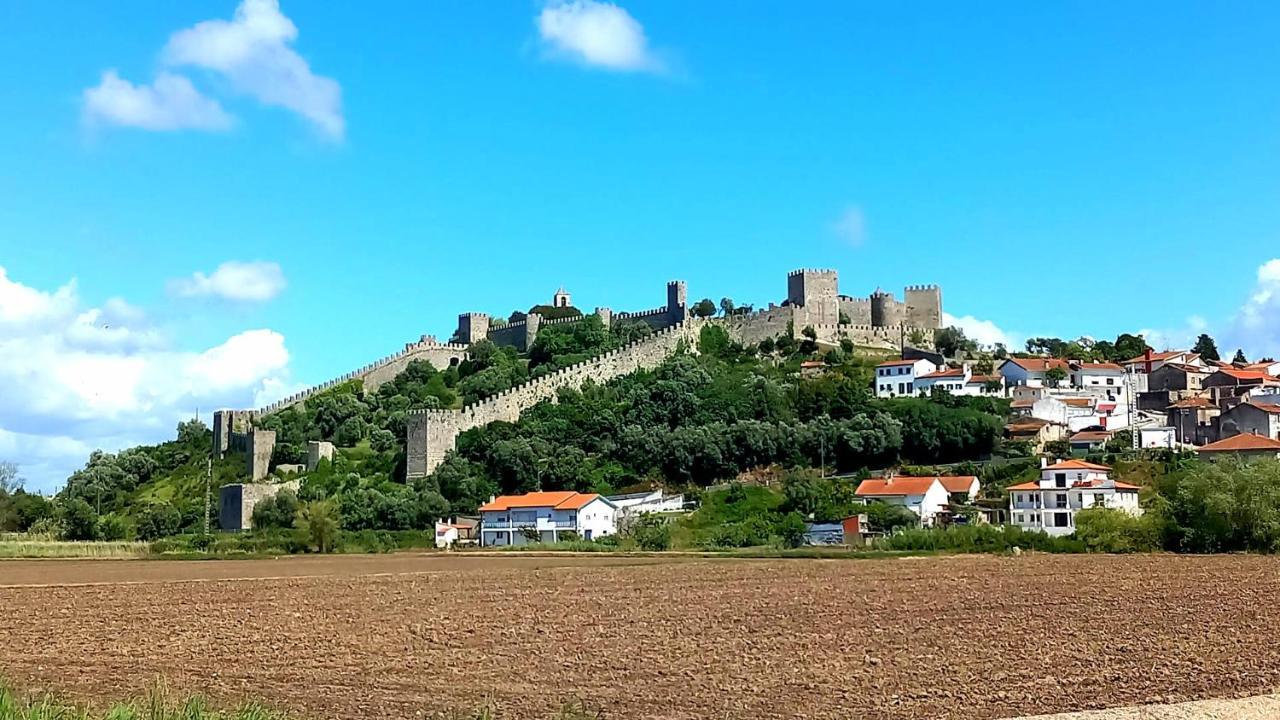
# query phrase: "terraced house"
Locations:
[[1064, 489], [546, 517]]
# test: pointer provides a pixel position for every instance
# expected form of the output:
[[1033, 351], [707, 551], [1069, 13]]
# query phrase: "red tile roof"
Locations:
[[981, 379], [1100, 366], [1266, 407], [1039, 364], [1190, 368], [1193, 402], [1023, 403], [948, 373], [559, 500], [957, 483], [1091, 436], [1158, 356], [1075, 465], [1077, 402], [1245, 442], [877, 487], [1245, 374]]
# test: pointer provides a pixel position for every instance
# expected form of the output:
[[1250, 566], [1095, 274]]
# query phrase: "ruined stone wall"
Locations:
[[318, 450], [754, 327], [923, 306], [431, 434], [227, 423], [237, 501], [857, 310]]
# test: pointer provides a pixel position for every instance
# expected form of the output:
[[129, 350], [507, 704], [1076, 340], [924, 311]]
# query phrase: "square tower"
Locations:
[[472, 327], [924, 306], [818, 292]]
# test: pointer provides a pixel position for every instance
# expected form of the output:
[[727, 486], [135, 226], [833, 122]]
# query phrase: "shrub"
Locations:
[[651, 533], [1110, 530], [276, 512], [888, 517], [158, 520], [113, 527], [978, 538], [319, 520], [791, 529], [79, 521]]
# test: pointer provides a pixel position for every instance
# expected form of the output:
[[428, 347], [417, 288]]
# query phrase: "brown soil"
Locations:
[[973, 637]]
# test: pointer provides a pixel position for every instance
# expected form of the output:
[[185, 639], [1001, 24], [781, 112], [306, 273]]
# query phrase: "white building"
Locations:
[[1152, 361], [510, 519], [897, 378], [1031, 371], [1064, 489], [643, 503], [927, 497], [1105, 376]]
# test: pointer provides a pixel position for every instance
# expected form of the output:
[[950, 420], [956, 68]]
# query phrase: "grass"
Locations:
[[61, 549], [158, 705]]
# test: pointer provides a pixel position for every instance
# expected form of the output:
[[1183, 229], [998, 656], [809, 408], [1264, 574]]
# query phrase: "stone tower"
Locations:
[[885, 310], [677, 301], [924, 306], [817, 291], [472, 327]]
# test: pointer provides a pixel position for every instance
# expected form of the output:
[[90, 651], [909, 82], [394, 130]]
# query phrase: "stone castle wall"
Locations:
[[237, 501], [431, 434]]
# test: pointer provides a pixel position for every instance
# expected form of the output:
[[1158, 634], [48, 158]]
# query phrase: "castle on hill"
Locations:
[[813, 300]]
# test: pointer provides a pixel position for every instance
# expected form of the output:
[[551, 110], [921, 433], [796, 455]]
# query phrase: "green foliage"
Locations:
[[79, 520], [319, 521], [791, 529], [1206, 348], [1220, 507], [951, 342], [650, 533], [1111, 530], [713, 340], [890, 517], [808, 495], [1054, 376], [277, 511], [1239, 357], [978, 538], [156, 705], [704, 308], [112, 527]]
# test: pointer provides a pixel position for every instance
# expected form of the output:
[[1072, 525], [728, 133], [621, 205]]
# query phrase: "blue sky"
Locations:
[[1059, 168]]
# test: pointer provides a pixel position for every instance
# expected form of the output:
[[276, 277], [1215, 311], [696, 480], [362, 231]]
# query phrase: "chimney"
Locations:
[[1044, 462], [1147, 355]]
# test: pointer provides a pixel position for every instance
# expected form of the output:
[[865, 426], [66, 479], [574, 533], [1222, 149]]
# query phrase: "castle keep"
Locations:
[[813, 300]]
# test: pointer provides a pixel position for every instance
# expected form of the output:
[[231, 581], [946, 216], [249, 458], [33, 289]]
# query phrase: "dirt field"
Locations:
[[977, 637]]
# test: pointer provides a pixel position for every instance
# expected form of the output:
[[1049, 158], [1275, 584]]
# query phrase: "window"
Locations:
[[1111, 381], [1099, 499], [1062, 519], [902, 388], [1060, 500], [1060, 479]]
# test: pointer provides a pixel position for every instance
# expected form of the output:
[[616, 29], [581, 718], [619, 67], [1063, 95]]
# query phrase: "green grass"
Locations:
[[10, 548]]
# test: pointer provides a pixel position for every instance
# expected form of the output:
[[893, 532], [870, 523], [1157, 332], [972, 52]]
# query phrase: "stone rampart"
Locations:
[[431, 434]]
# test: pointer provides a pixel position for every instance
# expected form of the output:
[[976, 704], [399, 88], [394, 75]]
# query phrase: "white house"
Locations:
[[1106, 376], [642, 503], [508, 519], [1064, 489], [897, 378], [1152, 361], [927, 497], [952, 380], [1031, 371]]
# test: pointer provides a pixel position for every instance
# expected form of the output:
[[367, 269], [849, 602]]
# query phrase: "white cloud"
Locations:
[[74, 379], [1256, 326], [596, 33], [984, 331], [233, 280], [169, 103], [253, 51], [852, 226]]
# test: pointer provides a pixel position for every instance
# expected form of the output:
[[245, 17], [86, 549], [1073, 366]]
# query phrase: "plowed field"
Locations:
[[971, 637]]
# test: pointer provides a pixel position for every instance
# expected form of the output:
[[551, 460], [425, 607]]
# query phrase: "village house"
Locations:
[[927, 497], [1245, 447], [1031, 371], [1192, 419], [456, 531], [1064, 489], [1251, 416], [1106, 376], [1034, 431], [952, 380], [897, 378], [985, 385], [518, 519], [1089, 440], [1158, 436], [1151, 361], [1227, 383], [650, 501]]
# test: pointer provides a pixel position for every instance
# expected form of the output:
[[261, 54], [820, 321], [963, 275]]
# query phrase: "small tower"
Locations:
[[561, 299]]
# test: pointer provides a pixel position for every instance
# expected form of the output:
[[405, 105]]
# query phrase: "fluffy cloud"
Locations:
[[596, 33], [170, 103], [852, 226], [232, 280], [984, 331], [1256, 327], [252, 52], [73, 378]]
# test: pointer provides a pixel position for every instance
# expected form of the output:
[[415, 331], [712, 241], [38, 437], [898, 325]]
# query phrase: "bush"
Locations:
[[278, 511], [651, 533], [79, 521], [159, 520], [113, 527], [319, 521], [1110, 530], [888, 517], [979, 538], [791, 530]]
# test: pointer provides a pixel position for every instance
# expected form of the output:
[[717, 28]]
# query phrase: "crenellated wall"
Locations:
[[431, 434]]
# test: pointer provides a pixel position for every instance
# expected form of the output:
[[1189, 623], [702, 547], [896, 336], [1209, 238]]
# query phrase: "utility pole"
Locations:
[[208, 483]]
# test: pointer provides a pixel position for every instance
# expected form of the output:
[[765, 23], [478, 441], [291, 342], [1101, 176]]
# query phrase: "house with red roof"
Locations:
[[927, 497], [1253, 416], [1248, 446], [1151, 361], [517, 519], [1031, 371], [1065, 488]]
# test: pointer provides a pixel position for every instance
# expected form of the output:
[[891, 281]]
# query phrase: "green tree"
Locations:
[[79, 521], [159, 520], [951, 341], [1128, 346], [278, 511], [1111, 530], [887, 517], [726, 306], [714, 340], [650, 532], [704, 308], [113, 527], [791, 530], [1206, 347], [319, 521], [1054, 376], [1239, 358]]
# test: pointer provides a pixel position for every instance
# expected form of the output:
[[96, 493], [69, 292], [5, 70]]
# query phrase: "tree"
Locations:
[[112, 527], [887, 517], [10, 483], [1240, 358], [79, 521], [1206, 347], [651, 533], [319, 521], [704, 308], [1129, 346], [1054, 376], [791, 530], [726, 306], [951, 341], [278, 511], [160, 520], [917, 338]]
